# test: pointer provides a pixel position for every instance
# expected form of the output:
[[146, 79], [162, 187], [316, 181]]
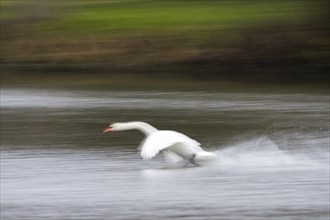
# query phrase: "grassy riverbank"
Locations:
[[288, 40]]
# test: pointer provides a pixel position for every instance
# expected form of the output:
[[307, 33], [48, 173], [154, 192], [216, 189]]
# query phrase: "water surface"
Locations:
[[273, 152]]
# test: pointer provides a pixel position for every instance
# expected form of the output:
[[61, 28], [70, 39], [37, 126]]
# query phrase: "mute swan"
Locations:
[[174, 145]]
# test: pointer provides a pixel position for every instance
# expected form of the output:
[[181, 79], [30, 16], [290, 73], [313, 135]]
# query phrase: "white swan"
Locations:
[[174, 145]]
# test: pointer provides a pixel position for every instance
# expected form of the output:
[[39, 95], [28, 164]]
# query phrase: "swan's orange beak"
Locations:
[[108, 129]]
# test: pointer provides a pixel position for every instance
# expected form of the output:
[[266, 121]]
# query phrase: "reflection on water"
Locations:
[[56, 163]]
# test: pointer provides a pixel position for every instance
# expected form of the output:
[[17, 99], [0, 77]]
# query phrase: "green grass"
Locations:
[[149, 17], [9, 9]]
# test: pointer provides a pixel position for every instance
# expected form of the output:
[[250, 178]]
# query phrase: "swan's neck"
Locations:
[[145, 128]]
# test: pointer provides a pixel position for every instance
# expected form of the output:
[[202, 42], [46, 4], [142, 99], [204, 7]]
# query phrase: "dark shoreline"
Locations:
[[176, 81]]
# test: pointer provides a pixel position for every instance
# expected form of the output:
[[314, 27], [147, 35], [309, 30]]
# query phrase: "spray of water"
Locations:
[[262, 153]]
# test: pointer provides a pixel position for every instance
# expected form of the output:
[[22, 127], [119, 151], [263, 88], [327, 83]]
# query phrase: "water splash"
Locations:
[[261, 153]]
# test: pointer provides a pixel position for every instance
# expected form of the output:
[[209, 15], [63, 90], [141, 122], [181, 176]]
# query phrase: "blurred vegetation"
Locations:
[[200, 39]]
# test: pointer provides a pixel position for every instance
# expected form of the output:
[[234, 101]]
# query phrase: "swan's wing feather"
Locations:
[[161, 140]]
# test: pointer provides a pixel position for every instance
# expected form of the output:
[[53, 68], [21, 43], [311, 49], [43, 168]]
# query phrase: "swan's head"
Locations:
[[124, 126], [115, 127]]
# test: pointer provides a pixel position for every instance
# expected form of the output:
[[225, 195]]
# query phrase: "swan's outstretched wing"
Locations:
[[161, 140]]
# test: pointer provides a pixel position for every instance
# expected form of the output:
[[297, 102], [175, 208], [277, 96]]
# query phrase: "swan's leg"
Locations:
[[192, 160]]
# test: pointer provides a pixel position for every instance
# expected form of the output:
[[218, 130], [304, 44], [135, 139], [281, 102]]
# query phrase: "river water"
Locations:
[[273, 150]]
